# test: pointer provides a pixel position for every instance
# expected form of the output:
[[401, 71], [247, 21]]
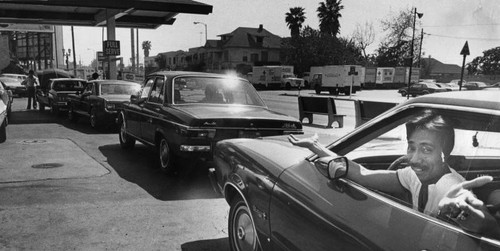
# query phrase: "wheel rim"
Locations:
[[243, 230], [164, 154], [92, 119], [123, 135]]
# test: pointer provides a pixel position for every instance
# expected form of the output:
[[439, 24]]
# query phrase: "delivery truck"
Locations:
[[276, 76], [336, 79]]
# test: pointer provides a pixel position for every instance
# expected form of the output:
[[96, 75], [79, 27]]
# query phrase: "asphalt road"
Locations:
[[66, 186]]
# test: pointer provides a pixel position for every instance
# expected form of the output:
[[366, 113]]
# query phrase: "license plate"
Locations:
[[248, 134]]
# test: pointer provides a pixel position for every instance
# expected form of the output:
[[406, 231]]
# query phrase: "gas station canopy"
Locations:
[[146, 14]]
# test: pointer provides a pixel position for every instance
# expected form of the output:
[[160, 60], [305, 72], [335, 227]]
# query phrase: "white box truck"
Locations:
[[336, 79], [275, 76]]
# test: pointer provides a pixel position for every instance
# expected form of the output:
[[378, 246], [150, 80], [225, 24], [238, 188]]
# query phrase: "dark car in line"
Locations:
[[55, 93], [422, 88], [183, 114], [280, 200], [14, 85], [476, 85], [101, 101]]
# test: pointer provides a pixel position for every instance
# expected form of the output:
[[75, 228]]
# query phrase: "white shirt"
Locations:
[[409, 180]]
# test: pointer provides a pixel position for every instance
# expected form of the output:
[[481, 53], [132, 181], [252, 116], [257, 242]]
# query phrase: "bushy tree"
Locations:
[[488, 64], [395, 47]]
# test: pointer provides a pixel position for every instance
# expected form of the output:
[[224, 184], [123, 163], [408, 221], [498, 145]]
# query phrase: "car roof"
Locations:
[[61, 79], [186, 73], [113, 81], [483, 99]]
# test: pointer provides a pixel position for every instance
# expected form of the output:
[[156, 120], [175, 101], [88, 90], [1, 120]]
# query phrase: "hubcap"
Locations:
[[164, 154], [244, 231], [122, 132]]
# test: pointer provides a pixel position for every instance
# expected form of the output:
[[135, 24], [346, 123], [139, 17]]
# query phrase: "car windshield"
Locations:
[[215, 90], [67, 85], [119, 89]]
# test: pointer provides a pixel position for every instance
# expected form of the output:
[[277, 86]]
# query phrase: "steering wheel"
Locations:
[[398, 163]]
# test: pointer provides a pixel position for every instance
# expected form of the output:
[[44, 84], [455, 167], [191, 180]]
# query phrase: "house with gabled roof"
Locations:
[[434, 69], [240, 49]]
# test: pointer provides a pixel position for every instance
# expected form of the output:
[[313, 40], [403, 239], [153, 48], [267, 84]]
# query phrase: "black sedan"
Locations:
[[422, 88], [183, 114], [101, 101], [55, 93], [280, 200]]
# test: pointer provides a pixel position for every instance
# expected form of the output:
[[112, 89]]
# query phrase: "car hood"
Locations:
[[230, 112], [116, 98], [271, 153]]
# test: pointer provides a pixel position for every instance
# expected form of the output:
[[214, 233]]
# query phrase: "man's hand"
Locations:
[[306, 142], [462, 206]]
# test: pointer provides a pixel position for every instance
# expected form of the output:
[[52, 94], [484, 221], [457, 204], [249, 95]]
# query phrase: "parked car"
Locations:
[[6, 97], [14, 85], [188, 122], [20, 77], [475, 85], [279, 199], [55, 93], [421, 88], [101, 101]]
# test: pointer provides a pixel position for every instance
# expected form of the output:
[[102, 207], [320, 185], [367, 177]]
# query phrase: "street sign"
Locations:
[[100, 56], [352, 71], [111, 47], [465, 49]]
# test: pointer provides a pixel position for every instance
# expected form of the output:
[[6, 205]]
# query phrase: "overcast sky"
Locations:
[[446, 23]]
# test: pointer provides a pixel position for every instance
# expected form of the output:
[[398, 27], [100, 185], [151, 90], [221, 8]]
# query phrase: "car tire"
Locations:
[[165, 156], [72, 116], [242, 233], [41, 107], [94, 122], [317, 88], [3, 131], [288, 86], [403, 93], [126, 141], [414, 95], [306, 85], [347, 91], [53, 108]]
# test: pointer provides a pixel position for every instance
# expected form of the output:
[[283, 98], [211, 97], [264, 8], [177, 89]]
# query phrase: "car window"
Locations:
[[215, 90], [67, 85], [89, 87], [147, 87], [157, 95], [476, 151], [118, 89]]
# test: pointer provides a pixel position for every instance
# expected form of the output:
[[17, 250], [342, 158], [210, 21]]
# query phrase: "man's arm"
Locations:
[[383, 180]]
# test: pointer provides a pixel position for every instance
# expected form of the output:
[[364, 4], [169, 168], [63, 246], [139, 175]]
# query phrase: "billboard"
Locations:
[[26, 27]]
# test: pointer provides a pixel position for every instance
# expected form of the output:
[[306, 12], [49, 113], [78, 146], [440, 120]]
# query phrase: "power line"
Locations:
[[460, 25], [466, 38]]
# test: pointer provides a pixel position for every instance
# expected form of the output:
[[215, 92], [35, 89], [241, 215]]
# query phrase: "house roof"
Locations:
[[247, 37], [437, 67], [127, 13]]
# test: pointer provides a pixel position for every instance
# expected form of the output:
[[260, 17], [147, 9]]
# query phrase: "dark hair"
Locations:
[[31, 72], [432, 121], [95, 75]]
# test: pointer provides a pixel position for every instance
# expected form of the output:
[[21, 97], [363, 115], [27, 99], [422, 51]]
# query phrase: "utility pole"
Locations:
[[133, 48]]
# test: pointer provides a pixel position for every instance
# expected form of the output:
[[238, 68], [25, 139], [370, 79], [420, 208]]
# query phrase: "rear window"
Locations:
[[67, 85]]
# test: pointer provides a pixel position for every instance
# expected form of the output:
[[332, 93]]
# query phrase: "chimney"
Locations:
[[260, 28]]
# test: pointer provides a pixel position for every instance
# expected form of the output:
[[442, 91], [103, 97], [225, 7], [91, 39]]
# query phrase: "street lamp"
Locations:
[[205, 29], [411, 49], [67, 54]]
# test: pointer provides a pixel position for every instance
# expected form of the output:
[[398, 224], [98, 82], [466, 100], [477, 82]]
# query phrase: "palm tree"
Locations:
[[146, 46], [294, 20], [329, 14]]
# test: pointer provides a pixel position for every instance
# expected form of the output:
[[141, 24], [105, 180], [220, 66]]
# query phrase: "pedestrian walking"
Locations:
[[31, 84]]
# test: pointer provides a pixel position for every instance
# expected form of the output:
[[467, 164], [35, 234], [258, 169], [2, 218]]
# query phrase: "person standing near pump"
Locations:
[[30, 82]]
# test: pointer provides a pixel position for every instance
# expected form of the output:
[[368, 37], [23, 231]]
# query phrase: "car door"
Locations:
[[152, 109], [135, 110]]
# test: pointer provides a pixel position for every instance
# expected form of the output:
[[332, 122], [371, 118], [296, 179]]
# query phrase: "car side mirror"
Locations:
[[332, 167]]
